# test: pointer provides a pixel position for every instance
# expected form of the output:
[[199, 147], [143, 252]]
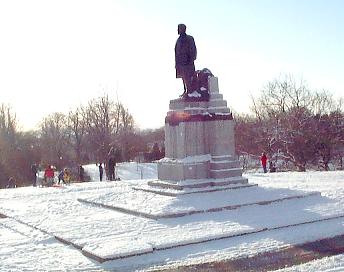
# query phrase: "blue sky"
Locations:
[[57, 55]]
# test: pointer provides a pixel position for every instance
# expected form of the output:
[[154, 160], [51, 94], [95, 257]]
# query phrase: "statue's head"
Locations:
[[181, 28]]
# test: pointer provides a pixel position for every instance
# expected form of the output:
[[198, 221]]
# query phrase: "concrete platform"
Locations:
[[179, 190], [176, 232], [148, 204], [108, 223], [201, 183], [310, 251]]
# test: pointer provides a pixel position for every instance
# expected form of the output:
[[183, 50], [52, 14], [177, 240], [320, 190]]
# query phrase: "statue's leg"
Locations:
[[188, 84], [185, 88], [185, 85]]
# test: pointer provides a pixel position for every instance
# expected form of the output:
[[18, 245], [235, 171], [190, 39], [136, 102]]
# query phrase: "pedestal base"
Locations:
[[199, 140], [176, 170]]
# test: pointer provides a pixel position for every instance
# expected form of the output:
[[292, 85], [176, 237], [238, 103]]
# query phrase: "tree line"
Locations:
[[298, 127], [87, 134]]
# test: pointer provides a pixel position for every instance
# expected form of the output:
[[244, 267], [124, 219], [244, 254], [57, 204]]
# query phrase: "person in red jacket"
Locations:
[[49, 175], [264, 159]]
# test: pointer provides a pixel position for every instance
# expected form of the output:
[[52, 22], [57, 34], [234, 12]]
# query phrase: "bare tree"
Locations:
[[328, 125], [284, 112], [339, 120], [77, 128], [54, 139], [18, 150], [8, 140], [101, 125], [297, 138], [125, 132], [8, 124]]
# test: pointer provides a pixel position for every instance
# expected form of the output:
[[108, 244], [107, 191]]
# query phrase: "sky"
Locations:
[[56, 55]]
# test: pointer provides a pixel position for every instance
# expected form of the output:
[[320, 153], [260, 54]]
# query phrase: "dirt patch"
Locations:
[[273, 260], [2, 216]]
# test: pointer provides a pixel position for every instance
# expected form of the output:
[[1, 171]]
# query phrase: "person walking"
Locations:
[[264, 159], [66, 176], [81, 173], [34, 171], [111, 165], [60, 177], [101, 170], [49, 175]]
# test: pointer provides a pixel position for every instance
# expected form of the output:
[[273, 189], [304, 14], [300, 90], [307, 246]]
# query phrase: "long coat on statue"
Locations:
[[185, 55]]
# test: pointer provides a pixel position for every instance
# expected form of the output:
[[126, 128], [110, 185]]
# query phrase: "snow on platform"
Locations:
[[186, 191], [23, 248], [107, 234], [198, 183], [149, 205], [168, 233]]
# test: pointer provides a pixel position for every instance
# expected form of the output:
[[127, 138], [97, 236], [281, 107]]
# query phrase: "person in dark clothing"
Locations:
[[185, 55], [272, 167], [263, 160], [60, 177], [34, 171], [81, 173], [11, 183], [112, 165], [100, 172]]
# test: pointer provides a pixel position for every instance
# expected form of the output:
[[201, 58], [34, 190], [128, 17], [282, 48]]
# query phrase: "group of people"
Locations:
[[264, 160], [64, 176], [111, 169]]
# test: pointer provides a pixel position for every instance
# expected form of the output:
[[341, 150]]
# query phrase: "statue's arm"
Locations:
[[193, 49], [175, 54]]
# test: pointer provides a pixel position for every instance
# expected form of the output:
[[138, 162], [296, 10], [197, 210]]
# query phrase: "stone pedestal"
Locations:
[[199, 140]]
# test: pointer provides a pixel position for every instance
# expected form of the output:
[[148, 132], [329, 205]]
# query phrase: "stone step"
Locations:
[[177, 105], [215, 96], [194, 111], [219, 165], [221, 158], [226, 173], [188, 184], [182, 213], [211, 110], [217, 103], [218, 110], [181, 104], [156, 244], [188, 191]]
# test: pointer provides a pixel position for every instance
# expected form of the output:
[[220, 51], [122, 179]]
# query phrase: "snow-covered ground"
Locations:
[[37, 216]]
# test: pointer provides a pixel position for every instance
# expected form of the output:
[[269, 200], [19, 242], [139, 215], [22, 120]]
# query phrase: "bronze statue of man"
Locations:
[[185, 55]]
